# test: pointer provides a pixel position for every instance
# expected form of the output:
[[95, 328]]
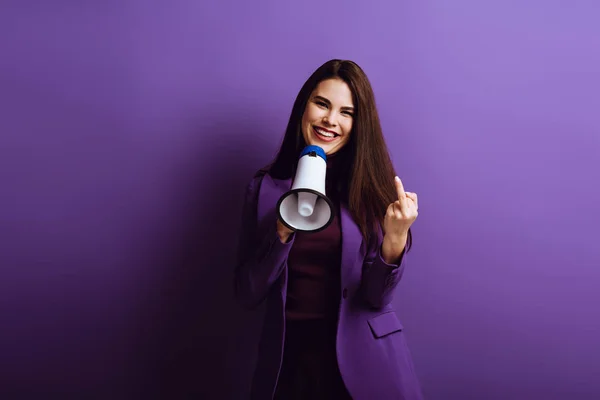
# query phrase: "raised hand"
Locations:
[[399, 216]]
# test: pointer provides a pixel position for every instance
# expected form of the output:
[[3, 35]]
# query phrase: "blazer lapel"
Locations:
[[351, 245]]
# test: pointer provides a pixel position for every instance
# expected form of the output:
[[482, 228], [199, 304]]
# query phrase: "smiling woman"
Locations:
[[327, 120], [330, 331]]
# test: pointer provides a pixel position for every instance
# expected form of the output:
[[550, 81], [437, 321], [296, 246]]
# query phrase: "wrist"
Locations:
[[395, 241], [392, 247]]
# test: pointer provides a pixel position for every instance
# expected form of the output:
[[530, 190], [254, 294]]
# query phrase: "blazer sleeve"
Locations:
[[261, 254], [379, 279]]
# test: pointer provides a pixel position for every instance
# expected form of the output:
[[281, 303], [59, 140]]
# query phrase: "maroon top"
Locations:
[[314, 262]]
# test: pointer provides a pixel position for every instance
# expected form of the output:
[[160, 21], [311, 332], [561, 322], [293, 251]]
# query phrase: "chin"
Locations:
[[329, 148]]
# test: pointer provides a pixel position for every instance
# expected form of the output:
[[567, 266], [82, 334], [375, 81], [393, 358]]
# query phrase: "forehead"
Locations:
[[336, 91]]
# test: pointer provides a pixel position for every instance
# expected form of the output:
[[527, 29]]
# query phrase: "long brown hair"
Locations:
[[369, 184]]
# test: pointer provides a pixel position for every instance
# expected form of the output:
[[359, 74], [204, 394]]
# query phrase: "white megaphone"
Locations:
[[305, 207]]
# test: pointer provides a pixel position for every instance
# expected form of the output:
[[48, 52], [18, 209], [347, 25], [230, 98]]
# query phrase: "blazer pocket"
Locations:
[[385, 324]]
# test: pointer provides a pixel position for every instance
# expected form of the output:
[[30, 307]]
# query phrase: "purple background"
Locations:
[[129, 129]]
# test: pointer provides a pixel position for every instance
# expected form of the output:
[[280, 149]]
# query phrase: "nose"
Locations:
[[330, 118]]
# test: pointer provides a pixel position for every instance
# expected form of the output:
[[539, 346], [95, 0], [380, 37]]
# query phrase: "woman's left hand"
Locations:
[[400, 215]]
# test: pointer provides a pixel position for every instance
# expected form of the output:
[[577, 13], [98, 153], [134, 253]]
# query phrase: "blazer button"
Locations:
[[345, 293]]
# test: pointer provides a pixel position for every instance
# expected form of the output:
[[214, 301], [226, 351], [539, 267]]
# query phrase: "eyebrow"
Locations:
[[317, 97]]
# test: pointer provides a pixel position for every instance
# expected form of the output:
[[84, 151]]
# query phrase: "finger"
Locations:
[[401, 194], [399, 188], [410, 203], [413, 197], [396, 213], [390, 210], [399, 208]]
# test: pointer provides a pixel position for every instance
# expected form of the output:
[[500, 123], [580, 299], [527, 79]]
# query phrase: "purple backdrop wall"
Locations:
[[129, 130]]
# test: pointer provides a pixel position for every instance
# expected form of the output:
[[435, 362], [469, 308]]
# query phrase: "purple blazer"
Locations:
[[373, 357]]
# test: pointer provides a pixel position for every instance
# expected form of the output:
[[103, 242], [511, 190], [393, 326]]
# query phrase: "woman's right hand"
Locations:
[[283, 231]]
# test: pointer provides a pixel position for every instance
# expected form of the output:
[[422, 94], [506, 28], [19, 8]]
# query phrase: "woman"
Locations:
[[330, 331]]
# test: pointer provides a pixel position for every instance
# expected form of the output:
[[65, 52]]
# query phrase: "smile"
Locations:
[[325, 135]]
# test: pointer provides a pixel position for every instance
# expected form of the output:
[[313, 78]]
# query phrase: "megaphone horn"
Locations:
[[306, 207]]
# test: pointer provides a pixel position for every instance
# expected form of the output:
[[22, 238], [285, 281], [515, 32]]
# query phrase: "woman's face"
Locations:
[[328, 116]]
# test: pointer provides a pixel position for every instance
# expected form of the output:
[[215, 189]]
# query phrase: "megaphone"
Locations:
[[306, 207]]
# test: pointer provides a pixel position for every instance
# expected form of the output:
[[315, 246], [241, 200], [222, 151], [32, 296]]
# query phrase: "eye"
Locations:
[[321, 103], [348, 113]]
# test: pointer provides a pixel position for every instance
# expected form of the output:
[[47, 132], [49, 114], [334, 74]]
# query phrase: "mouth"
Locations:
[[324, 134]]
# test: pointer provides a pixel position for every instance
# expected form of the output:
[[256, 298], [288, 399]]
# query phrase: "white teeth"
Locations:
[[328, 134]]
